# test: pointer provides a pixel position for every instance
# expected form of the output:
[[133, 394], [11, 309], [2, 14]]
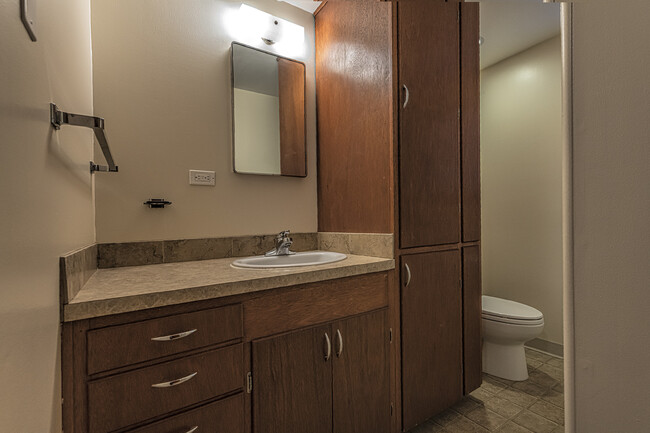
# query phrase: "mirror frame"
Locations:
[[232, 107]]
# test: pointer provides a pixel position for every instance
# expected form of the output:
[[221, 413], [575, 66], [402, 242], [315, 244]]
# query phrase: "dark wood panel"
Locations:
[[431, 335], [470, 120], [223, 416], [293, 149], [169, 310], [355, 118], [117, 346], [292, 383], [80, 397], [125, 399], [67, 377], [429, 124], [472, 309], [361, 374], [314, 304]]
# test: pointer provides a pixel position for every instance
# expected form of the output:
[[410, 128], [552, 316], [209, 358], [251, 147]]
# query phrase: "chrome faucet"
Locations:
[[282, 244]]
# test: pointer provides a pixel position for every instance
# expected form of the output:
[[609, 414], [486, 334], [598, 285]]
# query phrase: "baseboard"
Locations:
[[546, 346]]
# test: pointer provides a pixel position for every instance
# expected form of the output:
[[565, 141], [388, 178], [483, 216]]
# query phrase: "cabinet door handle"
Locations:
[[406, 95], [328, 347], [175, 381], [408, 274], [174, 336], [193, 429], [339, 349]]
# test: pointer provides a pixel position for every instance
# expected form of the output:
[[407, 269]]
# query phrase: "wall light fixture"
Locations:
[[253, 27]]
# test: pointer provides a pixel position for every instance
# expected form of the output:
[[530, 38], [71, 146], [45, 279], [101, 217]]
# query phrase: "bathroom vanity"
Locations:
[[235, 350]]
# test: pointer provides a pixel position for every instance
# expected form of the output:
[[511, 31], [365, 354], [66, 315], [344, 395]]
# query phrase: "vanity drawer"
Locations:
[[224, 416], [124, 399], [118, 346]]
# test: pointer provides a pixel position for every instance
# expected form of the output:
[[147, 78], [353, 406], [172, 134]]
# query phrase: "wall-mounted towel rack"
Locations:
[[58, 118]]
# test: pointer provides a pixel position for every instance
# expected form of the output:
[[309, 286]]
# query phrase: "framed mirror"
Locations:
[[268, 105]]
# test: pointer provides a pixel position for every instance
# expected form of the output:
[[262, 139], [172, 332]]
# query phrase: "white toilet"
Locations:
[[507, 325]]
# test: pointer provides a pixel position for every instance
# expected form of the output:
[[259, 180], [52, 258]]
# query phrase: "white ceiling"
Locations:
[[511, 26], [307, 5]]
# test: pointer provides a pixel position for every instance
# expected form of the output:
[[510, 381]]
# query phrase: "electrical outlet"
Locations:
[[201, 177]]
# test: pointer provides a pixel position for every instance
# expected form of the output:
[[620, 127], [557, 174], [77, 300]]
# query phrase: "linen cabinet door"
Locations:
[[472, 311], [429, 149], [361, 374], [292, 382], [432, 334], [470, 123]]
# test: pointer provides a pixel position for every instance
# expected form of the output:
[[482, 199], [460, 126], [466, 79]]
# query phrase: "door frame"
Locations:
[[567, 215]]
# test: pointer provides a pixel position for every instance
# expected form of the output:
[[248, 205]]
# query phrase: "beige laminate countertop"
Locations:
[[121, 290]]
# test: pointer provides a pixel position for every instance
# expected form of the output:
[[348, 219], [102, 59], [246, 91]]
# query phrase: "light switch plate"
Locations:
[[27, 16], [202, 177]]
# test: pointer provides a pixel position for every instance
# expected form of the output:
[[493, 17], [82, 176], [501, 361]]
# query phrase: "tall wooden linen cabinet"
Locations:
[[397, 87]]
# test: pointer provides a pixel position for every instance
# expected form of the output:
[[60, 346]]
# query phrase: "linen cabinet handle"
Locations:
[[175, 381], [174, 336], [408, 274], [193, 429], [339, 349], [406, 95], [328, 347]]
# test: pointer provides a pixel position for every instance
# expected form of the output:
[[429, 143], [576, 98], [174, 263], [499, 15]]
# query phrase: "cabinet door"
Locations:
[[429, 149], [472, 310], [432, 376], [470, 125], [292, 382], [361, 376]]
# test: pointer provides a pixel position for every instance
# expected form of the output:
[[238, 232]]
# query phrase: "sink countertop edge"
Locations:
[[179, 283]]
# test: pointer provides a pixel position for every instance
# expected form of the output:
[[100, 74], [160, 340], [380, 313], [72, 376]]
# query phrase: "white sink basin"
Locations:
[[308, 258]]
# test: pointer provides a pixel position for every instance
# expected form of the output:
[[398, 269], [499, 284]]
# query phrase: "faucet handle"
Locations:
[[284, 234]]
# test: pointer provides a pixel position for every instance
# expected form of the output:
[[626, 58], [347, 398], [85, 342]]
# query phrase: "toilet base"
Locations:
[[505, 361]]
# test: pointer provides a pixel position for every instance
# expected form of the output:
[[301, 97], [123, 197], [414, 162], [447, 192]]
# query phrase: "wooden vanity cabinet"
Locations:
[[317, 356], [330, 378]]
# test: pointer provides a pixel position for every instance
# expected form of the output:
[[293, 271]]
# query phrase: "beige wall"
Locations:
[[162, 82], [611, 203], [46, 205], [257, 130], [521, 178]]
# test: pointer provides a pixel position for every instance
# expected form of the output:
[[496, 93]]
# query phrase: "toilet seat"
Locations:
[[519, 322], [506, 311]]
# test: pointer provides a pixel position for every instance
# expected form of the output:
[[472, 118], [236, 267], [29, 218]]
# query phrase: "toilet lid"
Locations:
[[498, 307]]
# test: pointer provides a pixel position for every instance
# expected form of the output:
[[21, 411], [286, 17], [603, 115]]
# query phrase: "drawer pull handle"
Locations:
[[175, 381], [174, 336], [193, 429]]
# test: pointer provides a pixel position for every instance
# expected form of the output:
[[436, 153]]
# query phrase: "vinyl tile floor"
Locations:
[[535, 405]]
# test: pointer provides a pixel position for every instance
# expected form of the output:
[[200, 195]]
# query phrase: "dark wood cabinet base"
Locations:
[[314, 353]]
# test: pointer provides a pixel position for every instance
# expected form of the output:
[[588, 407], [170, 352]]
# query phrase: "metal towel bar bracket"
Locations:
[[58, 118]]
